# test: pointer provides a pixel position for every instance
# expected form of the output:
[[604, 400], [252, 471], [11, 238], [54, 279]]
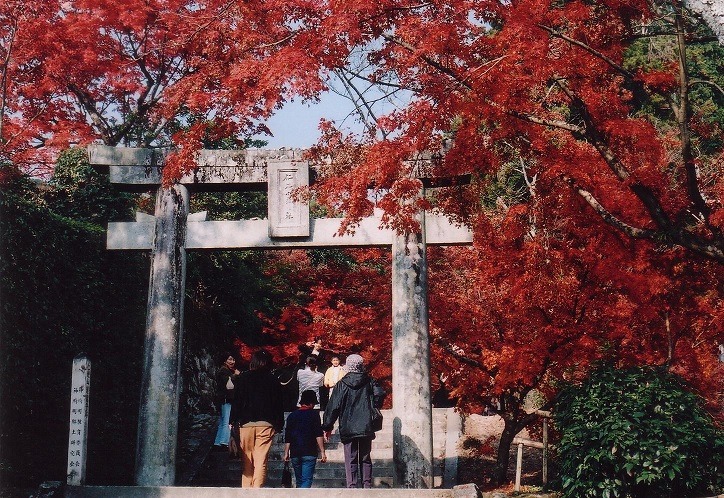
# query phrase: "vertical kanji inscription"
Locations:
[[77, 433]]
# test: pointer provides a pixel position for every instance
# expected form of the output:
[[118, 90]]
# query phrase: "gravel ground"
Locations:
[[476, 451]]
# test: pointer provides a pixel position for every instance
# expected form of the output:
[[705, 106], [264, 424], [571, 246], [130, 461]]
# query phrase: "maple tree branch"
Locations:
[[625, 72], [706, 82], [131, 49], [362, 77], [455, 352], [212, 19], [88, 105], [291, 35], [589, 49], [713, 250], [668, 231], [492, 63], [645, 195], [440, 67], [550, 123], [140, 62], [411, 7], [34, 118], [670, 339], [463, 81], [530, 183], [637, 233], [350, 87], [592, 133], [684, 115]]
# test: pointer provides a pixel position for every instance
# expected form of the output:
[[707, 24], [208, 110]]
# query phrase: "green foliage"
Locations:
[[637, 433], [507, 186], [82, 193], [226, 290], [230, 205], [336, 257], [705, 71]]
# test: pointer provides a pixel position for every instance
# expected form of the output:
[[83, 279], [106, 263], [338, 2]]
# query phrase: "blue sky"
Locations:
[[296, 125]]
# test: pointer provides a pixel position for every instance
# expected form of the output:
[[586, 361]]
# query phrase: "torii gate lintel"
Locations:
[[173, 231]]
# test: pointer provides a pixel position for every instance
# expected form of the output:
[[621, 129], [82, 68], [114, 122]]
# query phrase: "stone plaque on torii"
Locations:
[[173, 230]]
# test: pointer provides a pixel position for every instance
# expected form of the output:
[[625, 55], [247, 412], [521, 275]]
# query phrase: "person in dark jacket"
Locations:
[[258, 410], [351, 403], [225, 376], [304, 439]]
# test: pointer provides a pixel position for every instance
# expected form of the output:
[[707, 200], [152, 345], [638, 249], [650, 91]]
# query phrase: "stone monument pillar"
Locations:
[[78, 433], [160, 386], [412, 409]]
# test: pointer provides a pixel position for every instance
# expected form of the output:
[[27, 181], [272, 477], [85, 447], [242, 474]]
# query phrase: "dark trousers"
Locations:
[[356, 455]]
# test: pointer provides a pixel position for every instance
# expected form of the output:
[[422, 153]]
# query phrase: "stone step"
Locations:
[[465, 491], [325, 475], [381, 466], [277, 465], [439, 417], [381, 462], [380, 442], [219, 470]]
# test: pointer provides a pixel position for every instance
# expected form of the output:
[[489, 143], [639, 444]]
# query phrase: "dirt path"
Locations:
[[478, 446]]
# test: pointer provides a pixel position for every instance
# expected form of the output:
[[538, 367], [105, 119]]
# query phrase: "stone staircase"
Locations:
[[218, 470], [464, 491]]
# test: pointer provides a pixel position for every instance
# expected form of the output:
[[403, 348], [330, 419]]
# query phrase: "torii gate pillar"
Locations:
[[411, 403], [160, 385], [290, 228]]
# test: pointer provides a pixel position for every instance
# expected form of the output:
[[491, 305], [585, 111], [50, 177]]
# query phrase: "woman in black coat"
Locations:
[[352, 403]]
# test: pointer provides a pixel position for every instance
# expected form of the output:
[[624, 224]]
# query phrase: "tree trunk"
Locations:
[[512, 427]]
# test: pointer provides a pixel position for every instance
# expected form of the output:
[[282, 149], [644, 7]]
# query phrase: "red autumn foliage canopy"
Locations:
[[610, 154], [346, 300], [595, 159], [533, 80]]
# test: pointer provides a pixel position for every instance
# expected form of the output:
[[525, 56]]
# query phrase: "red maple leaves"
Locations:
[[596, 187]]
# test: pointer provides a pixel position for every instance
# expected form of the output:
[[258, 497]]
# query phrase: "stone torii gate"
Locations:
[[173, 230]]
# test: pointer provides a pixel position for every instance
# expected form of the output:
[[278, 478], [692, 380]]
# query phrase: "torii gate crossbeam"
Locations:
[[172, 231]]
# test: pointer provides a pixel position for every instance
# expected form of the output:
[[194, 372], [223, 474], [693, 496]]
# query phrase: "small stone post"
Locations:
[[518, 467], [545, 451], [412, 408], [78, 432], [160, 386]]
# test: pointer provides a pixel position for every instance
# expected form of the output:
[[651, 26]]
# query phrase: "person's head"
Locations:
[[317, 343], [354, 364], [308, 398], [312, 362], [261, 360], [228, 360], [335, 361]]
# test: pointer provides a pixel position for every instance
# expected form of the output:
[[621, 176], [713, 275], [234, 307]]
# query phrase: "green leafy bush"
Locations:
[[637, 433]]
